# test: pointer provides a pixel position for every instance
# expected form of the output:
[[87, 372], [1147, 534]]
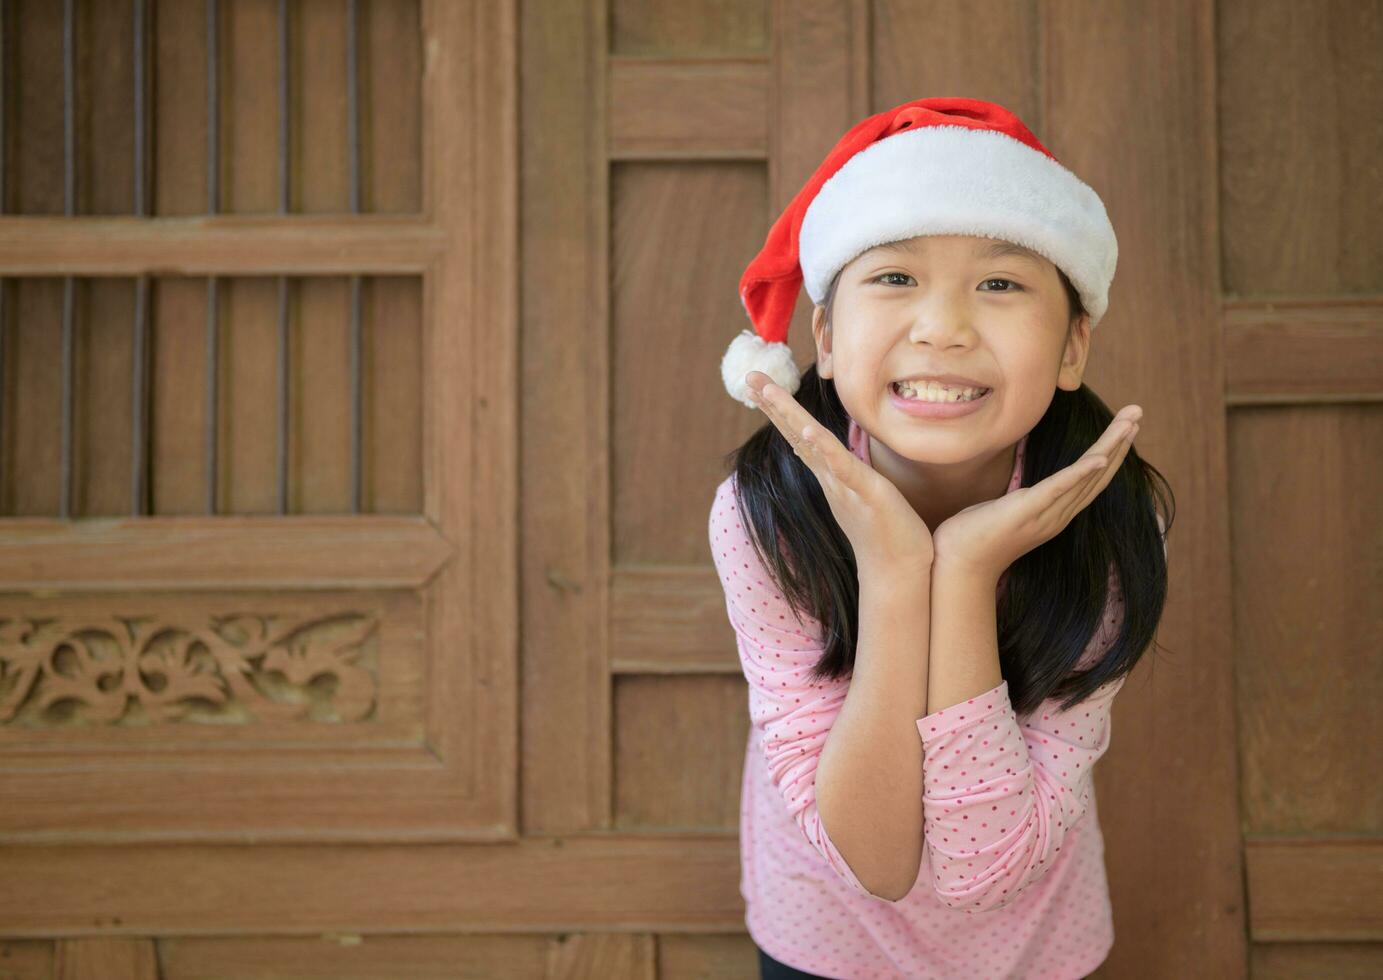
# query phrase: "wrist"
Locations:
[[959, 569], [903, 576]]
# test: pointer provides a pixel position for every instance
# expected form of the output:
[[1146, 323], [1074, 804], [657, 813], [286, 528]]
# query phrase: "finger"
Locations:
[[1104, 474], [1069, 480], [835, 466], [774, 402], [1112, 438], [819, 448], [1070, 483], [791, 419]]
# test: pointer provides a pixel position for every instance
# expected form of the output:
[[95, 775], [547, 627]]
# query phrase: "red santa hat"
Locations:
[[936, 166]]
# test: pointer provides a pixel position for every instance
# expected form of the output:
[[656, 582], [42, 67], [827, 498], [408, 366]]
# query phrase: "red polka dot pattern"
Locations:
[[1012, 879]]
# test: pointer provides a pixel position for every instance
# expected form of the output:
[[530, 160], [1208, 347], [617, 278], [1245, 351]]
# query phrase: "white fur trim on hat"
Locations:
[[750, 352], [953, 180]]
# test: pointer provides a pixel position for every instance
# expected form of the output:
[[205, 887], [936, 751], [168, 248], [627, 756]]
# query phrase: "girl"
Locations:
[[918, 798]]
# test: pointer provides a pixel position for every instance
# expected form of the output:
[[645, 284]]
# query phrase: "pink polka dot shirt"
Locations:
[[1012, 879]]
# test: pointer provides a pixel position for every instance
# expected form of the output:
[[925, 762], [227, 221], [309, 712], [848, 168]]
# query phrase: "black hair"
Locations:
[[1055, 595]]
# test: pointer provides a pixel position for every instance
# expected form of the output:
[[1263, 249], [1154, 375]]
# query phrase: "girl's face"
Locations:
[[981, 308]]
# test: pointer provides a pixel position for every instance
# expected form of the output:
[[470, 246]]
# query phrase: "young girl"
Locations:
[[938, 586]]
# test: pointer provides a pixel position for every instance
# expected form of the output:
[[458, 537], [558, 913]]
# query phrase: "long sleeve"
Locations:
[[776, 654], [1000, 793]]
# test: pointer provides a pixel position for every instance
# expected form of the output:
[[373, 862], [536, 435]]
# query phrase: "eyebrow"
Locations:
[[994, 249]]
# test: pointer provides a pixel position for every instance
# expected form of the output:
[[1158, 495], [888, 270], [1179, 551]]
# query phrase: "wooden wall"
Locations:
[[492, 724]]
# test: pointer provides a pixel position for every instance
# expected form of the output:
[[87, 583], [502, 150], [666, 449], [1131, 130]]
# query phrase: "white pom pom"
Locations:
[[750, 352]]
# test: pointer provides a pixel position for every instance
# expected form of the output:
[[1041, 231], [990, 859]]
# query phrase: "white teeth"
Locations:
[[931, 391]]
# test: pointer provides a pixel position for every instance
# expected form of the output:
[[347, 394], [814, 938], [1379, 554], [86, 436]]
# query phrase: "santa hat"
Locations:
[[936, 166]]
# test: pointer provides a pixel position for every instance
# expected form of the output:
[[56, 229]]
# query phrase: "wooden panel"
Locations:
[[564, 372], [247, 416], [34, 168], [319, 426], [1304, 890], [188, 701], [1301, 265], [28, 959], [319, 459], [688, 110], [534, 884], [1303, 349], [1169, 801], [1295, 961], [105, 112], [351, 955], [179, 104], [30, 439], [319, 475], [824, 76], [390, 80], [273, 552], [686, 28], [242, 717], [248, 105], [106, 958], [1299, 88], [1051, 63], [679, 231], [594, 956], [670, 619], [1003, 62], [33, 373], [177, 414], [1308, 611], [102, 428], [391, 132], [707, 957], [222, 245], [471, 403], [324, 137], [679, 752]]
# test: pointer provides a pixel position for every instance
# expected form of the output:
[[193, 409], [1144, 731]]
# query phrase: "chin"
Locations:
[[936, 448]]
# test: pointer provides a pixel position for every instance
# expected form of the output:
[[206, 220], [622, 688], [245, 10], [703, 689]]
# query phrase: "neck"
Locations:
[[940, 491]]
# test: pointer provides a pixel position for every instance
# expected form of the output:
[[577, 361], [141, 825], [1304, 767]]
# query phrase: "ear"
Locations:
[[822, 335], [1076, 353]]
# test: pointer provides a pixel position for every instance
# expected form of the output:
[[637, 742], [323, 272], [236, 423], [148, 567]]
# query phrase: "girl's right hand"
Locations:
[[883, 529]]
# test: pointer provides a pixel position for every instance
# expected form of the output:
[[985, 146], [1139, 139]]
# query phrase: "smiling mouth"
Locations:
[[939, 394]]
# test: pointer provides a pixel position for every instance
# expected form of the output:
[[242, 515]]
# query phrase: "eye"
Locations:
[[1015, 287]]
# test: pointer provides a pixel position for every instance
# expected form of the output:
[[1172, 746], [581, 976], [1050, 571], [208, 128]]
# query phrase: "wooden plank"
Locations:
[[39, 555], [225, 245], [470, 419], [670, 619], [1315, 889], [536, 884], [689, 109], [106, 958], [1282, 350], [1169, 795], [564, 375]]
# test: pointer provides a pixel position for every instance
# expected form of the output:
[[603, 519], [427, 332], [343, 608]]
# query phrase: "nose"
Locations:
[[942, 323]]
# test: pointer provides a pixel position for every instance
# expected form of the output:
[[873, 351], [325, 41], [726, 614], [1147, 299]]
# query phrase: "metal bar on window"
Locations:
[[4, 99], [285, 134], [353, 76], [139, 380], [213, 205], [69, 161]]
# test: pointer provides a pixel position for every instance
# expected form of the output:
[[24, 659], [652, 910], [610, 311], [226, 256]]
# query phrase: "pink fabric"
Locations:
[[1012, 879]]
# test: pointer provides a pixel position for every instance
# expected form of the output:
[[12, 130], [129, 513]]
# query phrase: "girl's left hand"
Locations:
[[987, 537]]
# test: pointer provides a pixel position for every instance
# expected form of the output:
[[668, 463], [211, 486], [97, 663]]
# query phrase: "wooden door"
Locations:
[[258, 604]]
